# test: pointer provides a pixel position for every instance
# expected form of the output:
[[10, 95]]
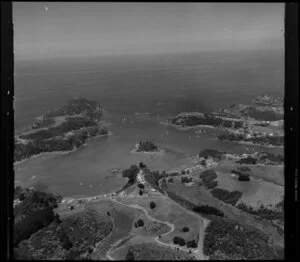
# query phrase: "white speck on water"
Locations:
[[80, 184], [33, 177], [91, 185]]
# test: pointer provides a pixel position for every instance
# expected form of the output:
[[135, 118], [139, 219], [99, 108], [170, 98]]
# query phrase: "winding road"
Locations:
[[198, 252]]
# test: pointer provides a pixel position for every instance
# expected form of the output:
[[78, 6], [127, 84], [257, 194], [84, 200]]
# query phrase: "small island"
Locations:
[[146, 147], [63, 129]]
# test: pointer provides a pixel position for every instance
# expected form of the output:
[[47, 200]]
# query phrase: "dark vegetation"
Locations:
[[262, 140], [53, 139], [191, 244], [153, 177], [139, 223], [131, 173], [179, 241], [208, 178], [185, 179], [248, 160], [226, 196], [185, 229], [142, 165], [211, 153], [146, 146], [45, 122], [152, 205], [208, 119], [78, 106], [71, 239], [141, 186], [33, 213], [266, 115], [202, 209], [262, 212], [31, 223], [243, 173], [129, 255], [141, 192], [229, 240], [208, 210]]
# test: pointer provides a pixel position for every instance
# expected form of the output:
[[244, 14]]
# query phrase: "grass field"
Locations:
[[149, 251], [270, 173], [198, 195], [123, 219], [255, 192], [167, 211]]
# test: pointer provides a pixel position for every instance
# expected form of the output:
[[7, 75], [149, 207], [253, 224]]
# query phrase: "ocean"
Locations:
[[138, 93]]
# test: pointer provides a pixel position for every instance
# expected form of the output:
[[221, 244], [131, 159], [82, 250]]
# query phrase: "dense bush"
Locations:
[[129, 255], [248, 160], [141, 192], [208, 176], [170, 180], [131, 173], [206, 153], [208, 210], [152, 205], [146, 146], [185, 229], [66, 243], [185, 179], [31, 223], [139, 223], [141, 186], [211, 184], [262, 212], [242, 175], [226, 196], [266, 115], [237, 242], [142, 165], [179, 241], [192, 244]]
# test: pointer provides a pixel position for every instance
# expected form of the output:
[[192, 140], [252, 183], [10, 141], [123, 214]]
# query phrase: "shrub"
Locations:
[[206, 153], [211, 184], [185, 179], [248, 160], [244, 177], [170, 180], [129, 255], [141, 186], [139, 223], [185, 229], [208, 175], [140, 192], [226, 196], [131, 173], [66, 243], [179, 240], [152, 205], [142, 165], [31, 224], [146, 146], [208, 210], [192, 244]]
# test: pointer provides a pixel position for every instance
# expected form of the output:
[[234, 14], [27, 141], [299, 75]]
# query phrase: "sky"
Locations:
[[75, 29]]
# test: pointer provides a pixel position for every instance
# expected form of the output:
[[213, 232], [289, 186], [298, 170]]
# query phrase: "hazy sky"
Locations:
[[66, 29]]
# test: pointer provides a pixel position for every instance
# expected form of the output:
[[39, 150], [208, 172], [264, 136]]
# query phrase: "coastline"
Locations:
[[62, 152]]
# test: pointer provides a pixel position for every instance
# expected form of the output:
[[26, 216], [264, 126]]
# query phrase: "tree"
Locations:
[[66, 242], [152, 205], [185, 229], [140, 192], [130, 255], [139, 223], [141, 186], [142, 165]]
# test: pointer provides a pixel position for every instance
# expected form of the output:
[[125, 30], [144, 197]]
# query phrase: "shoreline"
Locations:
[[61, 152]]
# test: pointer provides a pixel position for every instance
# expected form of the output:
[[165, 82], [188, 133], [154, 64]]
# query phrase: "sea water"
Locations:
[[139, 93]]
